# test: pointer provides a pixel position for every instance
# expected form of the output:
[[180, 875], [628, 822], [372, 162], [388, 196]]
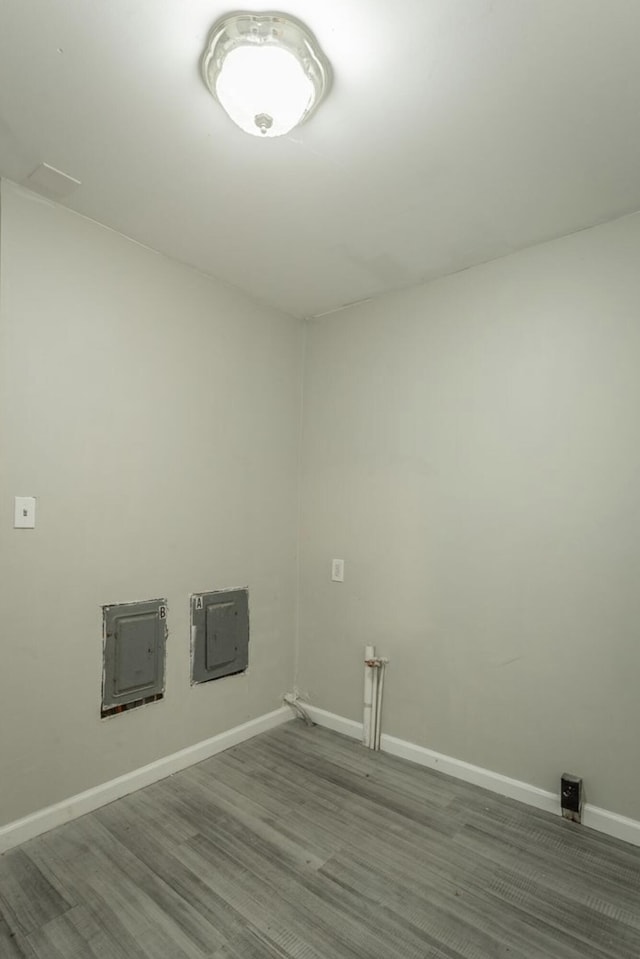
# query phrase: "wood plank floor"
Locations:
[[302, 844]]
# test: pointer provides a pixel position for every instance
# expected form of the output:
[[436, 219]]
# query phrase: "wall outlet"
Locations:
[[337, 570], [571, 797]]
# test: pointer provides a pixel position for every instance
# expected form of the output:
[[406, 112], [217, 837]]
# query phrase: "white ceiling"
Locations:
[[456, 131]]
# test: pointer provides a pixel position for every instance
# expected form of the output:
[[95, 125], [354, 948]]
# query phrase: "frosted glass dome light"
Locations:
[[266, 71]]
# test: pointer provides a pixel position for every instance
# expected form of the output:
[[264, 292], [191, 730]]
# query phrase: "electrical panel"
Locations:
[[135, 637], [219, 634]]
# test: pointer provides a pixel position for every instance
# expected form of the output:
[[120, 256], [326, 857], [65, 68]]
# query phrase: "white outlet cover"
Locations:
[[337, 570]]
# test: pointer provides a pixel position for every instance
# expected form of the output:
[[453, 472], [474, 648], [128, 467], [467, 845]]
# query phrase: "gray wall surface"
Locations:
[[471, 450], [155, 415]]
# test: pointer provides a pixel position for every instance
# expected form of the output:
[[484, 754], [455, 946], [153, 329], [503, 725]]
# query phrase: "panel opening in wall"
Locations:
[[134, 642], [219, 634]]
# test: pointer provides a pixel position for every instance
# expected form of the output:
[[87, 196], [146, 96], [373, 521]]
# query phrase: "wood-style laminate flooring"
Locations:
[[302, 844]]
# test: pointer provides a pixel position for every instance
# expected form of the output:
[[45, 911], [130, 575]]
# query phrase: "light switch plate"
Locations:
[[337, 570], [24, 516]]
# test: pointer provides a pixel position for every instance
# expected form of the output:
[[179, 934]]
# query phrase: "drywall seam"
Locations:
[[602, 820], [33, 825]]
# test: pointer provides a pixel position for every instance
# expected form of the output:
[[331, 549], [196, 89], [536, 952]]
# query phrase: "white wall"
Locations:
[[155, 415], [471, 449]]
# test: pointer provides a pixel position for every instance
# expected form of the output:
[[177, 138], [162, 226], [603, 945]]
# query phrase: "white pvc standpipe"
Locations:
[[375, 676], [367, 723], [378, 727]]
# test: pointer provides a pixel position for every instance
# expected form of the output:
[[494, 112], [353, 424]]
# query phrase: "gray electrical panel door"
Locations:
[[134, 651], [220, 634]]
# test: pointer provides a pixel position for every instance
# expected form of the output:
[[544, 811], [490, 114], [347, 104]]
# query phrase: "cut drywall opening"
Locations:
[[124, 707]]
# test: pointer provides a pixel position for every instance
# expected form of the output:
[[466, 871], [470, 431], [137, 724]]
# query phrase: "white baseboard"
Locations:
[[602, 820], [42, 821], [348, 727], [33, 825], [611, 823]]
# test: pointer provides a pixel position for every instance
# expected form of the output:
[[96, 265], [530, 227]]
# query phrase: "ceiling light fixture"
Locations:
[[266, 70]]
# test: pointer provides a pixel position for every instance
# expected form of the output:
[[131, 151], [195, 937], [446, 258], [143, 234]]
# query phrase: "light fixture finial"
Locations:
[[263, 122]]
